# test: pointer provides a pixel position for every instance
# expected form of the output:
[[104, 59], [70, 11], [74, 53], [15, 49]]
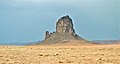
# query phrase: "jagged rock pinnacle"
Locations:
[[65, 25], [47, 35]]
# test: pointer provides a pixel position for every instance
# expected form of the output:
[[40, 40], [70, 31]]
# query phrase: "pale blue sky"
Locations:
[[27, 20]]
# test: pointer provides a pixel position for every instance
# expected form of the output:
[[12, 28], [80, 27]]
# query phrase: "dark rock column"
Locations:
[[47, 35]]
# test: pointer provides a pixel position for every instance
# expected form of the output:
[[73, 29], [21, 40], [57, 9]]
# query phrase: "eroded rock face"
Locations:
[[64, 31], [65, 25]]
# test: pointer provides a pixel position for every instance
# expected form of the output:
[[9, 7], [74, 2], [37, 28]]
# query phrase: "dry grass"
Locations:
[[93, 54]]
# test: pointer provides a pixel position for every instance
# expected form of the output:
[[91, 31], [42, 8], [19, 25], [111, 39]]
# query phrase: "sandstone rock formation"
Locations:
[[64, 32], [65, 25]]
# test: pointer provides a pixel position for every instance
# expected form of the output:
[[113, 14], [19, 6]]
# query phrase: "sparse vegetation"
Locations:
[[100, 54], [60, 62]]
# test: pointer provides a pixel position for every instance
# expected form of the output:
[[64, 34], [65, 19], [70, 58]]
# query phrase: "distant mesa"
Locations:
[[106, 41], [64, 33]]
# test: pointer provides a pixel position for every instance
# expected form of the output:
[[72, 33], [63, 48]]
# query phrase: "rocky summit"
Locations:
[[64, 32], [65, 25]]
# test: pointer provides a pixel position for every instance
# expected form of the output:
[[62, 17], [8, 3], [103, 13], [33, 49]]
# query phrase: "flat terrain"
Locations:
[[93, 54]]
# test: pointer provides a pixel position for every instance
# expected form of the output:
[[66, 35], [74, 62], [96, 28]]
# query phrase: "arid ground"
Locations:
[[93, 54]]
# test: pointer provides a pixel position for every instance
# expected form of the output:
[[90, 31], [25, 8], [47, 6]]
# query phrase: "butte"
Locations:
[[64, 34]]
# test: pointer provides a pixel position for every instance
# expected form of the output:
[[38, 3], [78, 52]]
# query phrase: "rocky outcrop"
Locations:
[[64, 32], [65, 25], [47, 35]]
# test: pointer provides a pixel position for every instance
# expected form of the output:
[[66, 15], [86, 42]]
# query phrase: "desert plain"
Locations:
[[52, 54]]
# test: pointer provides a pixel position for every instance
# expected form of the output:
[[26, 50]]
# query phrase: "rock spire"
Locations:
[[64, 31], [65, 25]]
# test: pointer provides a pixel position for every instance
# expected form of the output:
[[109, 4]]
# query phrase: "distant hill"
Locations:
[[18, 43], [107, 41]]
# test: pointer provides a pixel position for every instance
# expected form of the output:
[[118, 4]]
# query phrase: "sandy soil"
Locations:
[[93, 54]]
